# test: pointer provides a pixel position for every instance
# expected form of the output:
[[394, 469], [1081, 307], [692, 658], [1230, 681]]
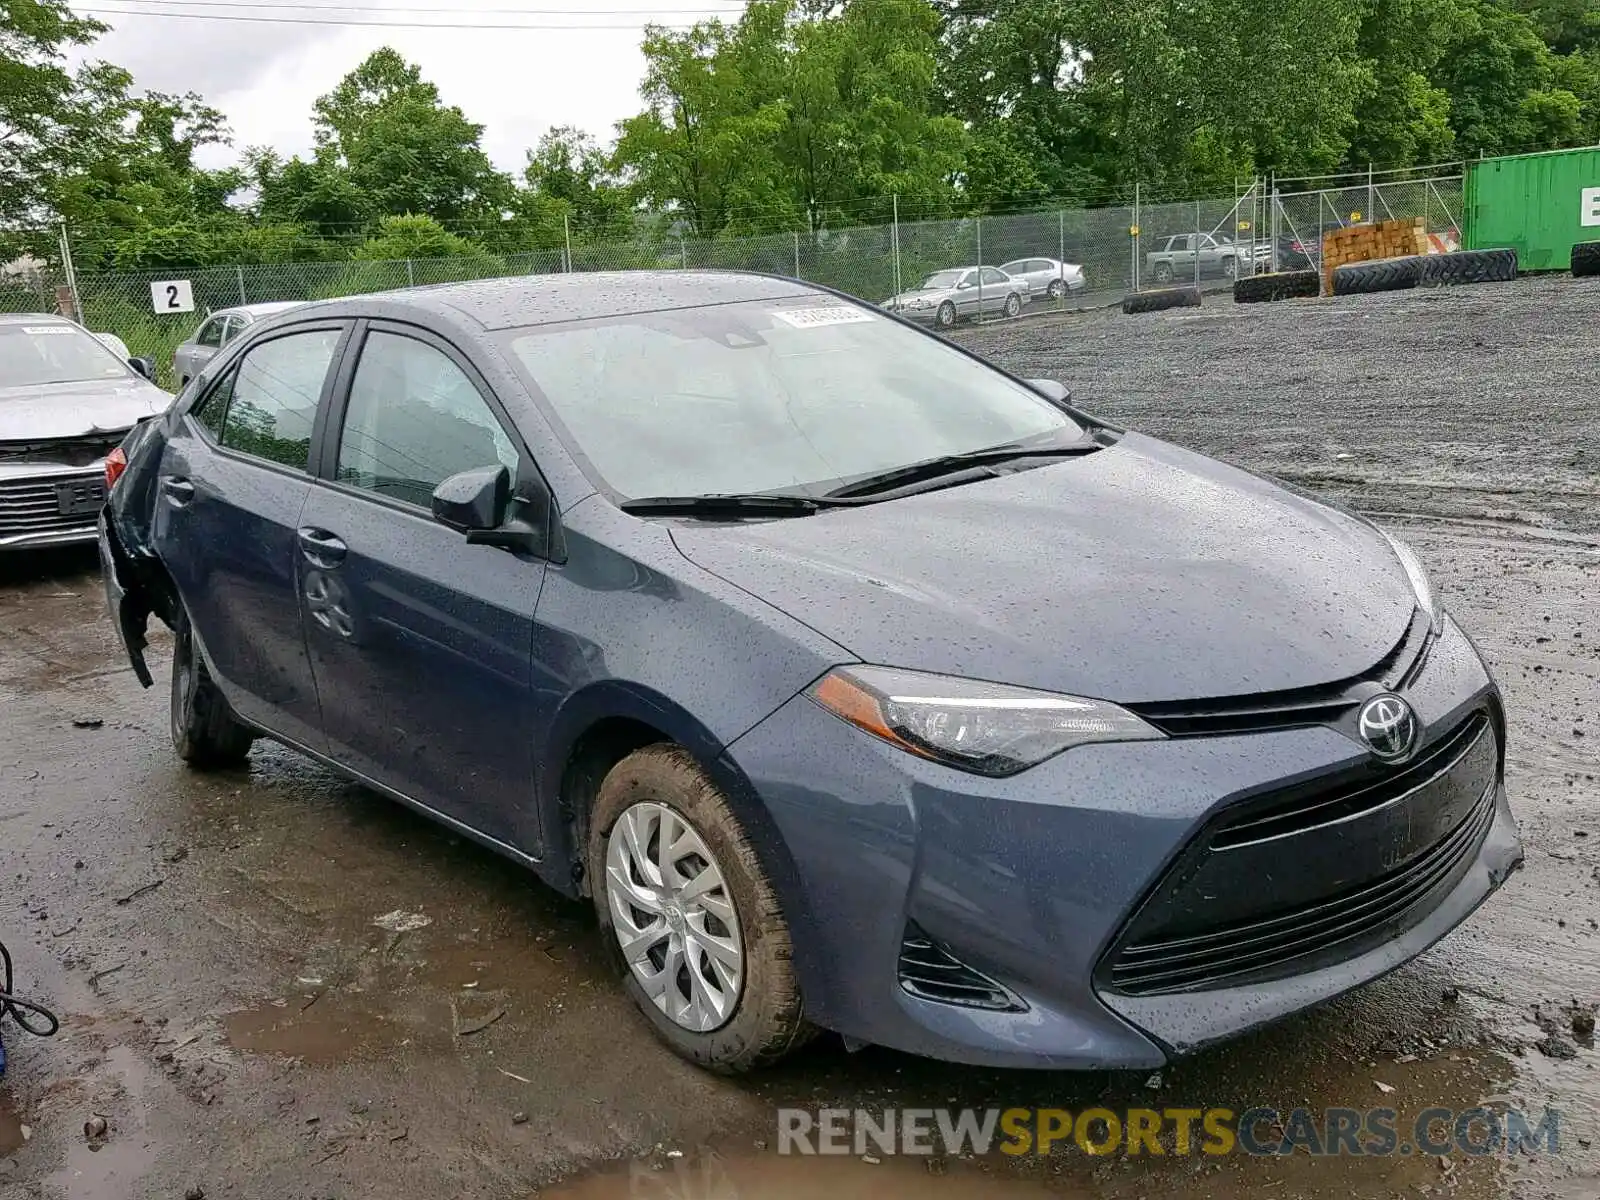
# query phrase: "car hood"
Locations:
[[1140, 573], [71, 410], [930, 295]]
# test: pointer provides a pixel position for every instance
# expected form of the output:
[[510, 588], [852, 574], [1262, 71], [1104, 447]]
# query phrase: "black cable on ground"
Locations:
[[17, 1008]]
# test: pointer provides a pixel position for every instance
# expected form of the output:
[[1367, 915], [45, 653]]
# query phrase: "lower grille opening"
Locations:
[[930, 972], [1332, 929]]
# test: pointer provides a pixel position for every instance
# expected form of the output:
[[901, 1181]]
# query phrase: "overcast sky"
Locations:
[[516, 83]]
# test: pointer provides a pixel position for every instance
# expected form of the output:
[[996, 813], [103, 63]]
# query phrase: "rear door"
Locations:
[[235, 475], [421, 644], [997, 285], [193, 355]]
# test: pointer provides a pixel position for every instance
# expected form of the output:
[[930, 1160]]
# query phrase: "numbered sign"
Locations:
[[172, 296]]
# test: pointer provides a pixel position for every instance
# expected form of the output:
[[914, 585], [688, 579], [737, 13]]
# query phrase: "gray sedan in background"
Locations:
[[220, 328], [1046, 276], [963, 293]]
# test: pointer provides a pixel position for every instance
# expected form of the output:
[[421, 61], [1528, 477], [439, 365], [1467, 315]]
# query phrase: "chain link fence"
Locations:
[[1118, 249]]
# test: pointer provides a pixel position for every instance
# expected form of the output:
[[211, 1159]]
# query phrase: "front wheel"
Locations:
[[689, 916], [946, 315], [1230, 267], [205, 733]]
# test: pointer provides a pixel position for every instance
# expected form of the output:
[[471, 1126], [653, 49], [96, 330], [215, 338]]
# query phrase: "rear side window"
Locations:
[[211, 332], [271, 398], [414, 420], [990, 275]]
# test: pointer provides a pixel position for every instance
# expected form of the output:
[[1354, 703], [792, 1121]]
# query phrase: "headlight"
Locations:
[[987, 728], [1418, 575]]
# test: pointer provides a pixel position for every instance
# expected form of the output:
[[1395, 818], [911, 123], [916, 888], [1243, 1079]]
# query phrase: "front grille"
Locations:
[[930, 972], [1372, 913], [1296, 707], [1319, 805], [34, 506], [1313, 873]]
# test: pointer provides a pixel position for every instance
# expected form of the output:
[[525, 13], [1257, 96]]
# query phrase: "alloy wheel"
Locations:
[[674, 918]]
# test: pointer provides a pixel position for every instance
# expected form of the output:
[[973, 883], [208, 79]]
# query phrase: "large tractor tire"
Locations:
[[1284, 285], [1161, 299], [1468, 266], [1383, 275]]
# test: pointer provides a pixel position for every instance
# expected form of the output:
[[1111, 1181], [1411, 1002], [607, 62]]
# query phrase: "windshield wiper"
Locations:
[[954, 464], [754, 504]]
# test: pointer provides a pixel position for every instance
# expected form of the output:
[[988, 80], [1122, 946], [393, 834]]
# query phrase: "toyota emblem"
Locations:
[[1389, 727]]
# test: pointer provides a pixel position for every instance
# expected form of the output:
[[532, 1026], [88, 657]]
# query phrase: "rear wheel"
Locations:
[[1013, 304], [205, 733], [689, 916], [1058, 289], [1163, 272]]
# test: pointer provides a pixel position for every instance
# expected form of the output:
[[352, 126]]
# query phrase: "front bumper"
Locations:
[[44, 506], [1032, 881]]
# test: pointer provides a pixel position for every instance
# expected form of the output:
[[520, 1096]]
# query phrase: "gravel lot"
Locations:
[[245, 1029], [1479, 403]]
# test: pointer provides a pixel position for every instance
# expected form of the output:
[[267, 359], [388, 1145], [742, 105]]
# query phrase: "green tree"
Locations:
[[51, 120], [414, 237], [404, 150], [1500, 78], [571, 180]]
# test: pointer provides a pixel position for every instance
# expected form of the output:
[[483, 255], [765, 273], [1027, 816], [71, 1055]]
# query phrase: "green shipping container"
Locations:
[[1541, 204]]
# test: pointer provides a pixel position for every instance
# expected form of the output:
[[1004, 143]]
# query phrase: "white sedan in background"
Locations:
[[1047, 276]]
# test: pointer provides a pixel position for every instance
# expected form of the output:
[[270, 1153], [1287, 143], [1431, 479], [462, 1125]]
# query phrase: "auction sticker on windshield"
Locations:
[[810, 318], [49, 330]]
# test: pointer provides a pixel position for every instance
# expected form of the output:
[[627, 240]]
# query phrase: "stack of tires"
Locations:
[[1160, 299], [1586, 259], [1425, 270], [1279, 285]]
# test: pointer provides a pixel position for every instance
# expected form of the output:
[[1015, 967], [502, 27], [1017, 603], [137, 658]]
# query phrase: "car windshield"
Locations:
[[769, 396], [942, 279], [49, 352]]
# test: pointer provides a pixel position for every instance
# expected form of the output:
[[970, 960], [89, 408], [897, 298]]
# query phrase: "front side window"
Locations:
[[414, 420], [942, 279], [35, 355], [272, 405], [768, 396]]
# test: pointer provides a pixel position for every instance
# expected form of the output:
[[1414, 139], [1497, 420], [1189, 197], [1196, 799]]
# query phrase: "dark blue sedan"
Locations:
[[860, 685]]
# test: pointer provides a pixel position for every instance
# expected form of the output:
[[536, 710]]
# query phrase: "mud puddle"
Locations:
[[14, 1133], [771, 1177]]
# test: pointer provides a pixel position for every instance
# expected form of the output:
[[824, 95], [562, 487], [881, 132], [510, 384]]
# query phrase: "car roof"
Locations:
[[261, 310], [517, 302]]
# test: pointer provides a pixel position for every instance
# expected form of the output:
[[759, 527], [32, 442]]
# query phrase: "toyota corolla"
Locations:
[[860, 685]]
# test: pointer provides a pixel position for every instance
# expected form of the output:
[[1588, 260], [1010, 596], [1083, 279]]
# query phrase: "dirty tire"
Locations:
[[1468, 266], [946, 316], [205, 732], [769, 1021], [1162, 298], [1285, 285], [1586, 259], [1384, 275]]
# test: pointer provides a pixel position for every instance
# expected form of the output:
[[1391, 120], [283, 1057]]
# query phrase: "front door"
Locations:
[[421, 644], [234, 478]]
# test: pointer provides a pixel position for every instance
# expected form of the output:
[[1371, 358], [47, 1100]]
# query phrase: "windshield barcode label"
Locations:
[[810, 318]]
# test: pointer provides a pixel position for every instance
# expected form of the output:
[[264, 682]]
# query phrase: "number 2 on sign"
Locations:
[[172, 296]]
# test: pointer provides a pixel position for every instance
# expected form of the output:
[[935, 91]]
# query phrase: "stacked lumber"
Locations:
[[1371, 242]]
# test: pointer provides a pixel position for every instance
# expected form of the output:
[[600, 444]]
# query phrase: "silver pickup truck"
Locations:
[[1217, 256]]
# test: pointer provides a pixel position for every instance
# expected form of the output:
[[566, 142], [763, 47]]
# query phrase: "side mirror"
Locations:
[[145, 367], [965, 284], [473, 501], [1051, 389]]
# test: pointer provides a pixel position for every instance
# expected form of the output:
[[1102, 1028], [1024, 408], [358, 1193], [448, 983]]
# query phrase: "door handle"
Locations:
[[180, 491], [321, 548]]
